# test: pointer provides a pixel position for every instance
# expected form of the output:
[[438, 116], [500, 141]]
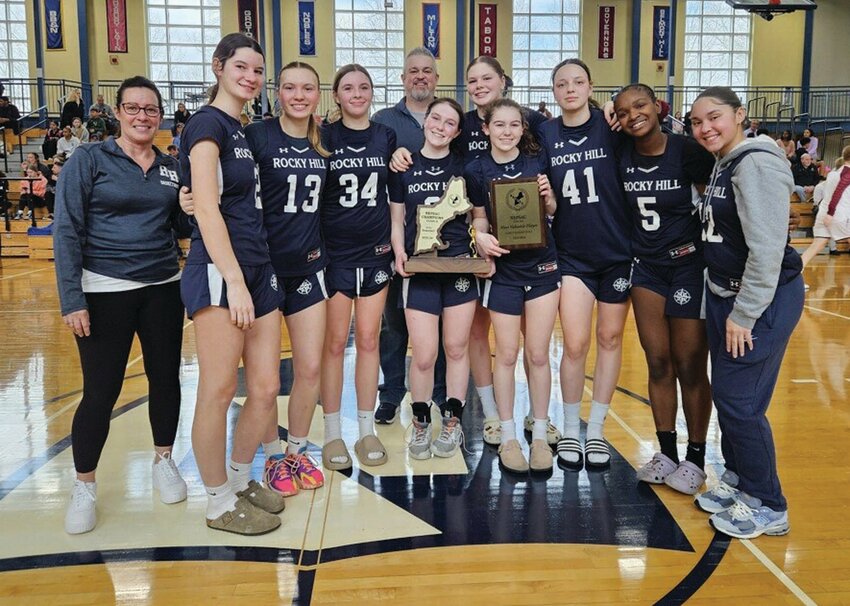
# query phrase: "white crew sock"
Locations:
[[538, 430], [272, 449], [333, 428], [296, 445], [365, 422], [488, 401], [219, 500], [572, 420], [598, 411], [239, 475], [508, 430]]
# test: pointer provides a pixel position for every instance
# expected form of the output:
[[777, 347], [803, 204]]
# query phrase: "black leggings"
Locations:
[[155, 313]]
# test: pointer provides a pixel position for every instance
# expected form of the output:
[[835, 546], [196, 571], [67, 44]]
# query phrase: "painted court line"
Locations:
[[804, 381], [829, 313], [25, 273], [758, 553]]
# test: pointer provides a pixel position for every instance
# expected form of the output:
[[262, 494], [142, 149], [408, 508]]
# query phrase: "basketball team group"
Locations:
[[314, 224]]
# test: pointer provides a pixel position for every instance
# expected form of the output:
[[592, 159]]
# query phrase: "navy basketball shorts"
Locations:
[[510, 299], [301, 292], [610, 285], [356, 282], [432, 293], [203, 286], [682, 286]]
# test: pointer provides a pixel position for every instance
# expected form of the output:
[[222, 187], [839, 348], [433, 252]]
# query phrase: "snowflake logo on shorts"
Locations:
[[273, 282], [682, 296], [381, 277], [621, 285], [462, 284], [305, 287]]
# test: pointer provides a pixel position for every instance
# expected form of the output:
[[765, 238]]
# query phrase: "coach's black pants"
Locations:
[[155, 313]]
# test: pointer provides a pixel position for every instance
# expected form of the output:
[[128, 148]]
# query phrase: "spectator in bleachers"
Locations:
[[9, 115], [33, 159], [180, 116], [51, 137], [96, 126], [68, 143], [32, 194], [542, 109], [106, 114], [72, 108], [810, 145], [174, 151], [79, 131], [177, 134], [833, 218], [786, 142], [753, 130], [50, 190], [806, 176]]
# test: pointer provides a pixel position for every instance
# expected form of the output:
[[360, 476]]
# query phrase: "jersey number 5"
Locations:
[[650, 219], [352, 195], [570, 190]]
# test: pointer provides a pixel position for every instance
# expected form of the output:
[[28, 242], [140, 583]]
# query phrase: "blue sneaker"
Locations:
[[722, 496], [748, 521]]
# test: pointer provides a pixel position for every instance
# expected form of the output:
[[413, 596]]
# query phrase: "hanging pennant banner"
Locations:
[[248, 23], [53, 19], [307, 28], [487, 29], [606, 32], [660, 33], [116, 26], [431, 28]]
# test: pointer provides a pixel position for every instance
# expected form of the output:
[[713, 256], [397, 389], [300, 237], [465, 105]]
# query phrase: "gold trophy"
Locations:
[[430, 220]]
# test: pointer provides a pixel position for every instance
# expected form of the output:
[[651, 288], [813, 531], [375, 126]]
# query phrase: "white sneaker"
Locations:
[[167, 480], [81, 515]]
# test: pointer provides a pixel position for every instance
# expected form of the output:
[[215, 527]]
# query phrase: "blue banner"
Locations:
[[431, 28], [660, 33], [53, 23], [306, 28]]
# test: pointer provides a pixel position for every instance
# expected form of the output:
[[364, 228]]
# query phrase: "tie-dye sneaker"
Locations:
[[305, 473], [278, 476]]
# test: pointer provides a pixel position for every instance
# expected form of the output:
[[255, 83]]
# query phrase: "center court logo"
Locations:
[[305, 287], [621, 285], [682, 296], [462, 284]]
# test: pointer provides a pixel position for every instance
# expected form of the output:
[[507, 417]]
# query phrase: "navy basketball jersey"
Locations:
[[292, 175], [726, 249], [355, 211], [423, 184], [473, 141], [663, 199], [526, 267], [592, 225], [239, 190]]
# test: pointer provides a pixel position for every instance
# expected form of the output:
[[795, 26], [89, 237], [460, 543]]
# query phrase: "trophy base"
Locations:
[[446, 265]]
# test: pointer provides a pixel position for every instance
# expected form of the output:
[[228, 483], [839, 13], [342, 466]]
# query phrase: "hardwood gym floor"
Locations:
[[453, 531]]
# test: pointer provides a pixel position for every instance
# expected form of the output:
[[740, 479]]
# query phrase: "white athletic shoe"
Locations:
[[81, 515], [167, 480]]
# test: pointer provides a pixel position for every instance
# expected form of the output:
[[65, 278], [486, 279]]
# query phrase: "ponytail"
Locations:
[[314, 136]]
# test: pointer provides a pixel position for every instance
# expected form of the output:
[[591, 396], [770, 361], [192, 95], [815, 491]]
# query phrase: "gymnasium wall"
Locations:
[[776, 58]]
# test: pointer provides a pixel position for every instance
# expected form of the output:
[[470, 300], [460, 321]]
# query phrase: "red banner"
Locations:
[[606, 32], [487, 29], [248, 23], [116, 25]]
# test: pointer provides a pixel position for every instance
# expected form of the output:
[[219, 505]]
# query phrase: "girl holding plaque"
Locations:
[[356, 227], [662, 176], [525, 281], [592, 228], [427, 297]]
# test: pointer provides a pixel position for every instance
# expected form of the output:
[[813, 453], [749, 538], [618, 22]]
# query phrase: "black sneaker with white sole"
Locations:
[[386, 413]]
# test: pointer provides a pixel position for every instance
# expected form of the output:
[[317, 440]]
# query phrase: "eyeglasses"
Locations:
[[131, 109]]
